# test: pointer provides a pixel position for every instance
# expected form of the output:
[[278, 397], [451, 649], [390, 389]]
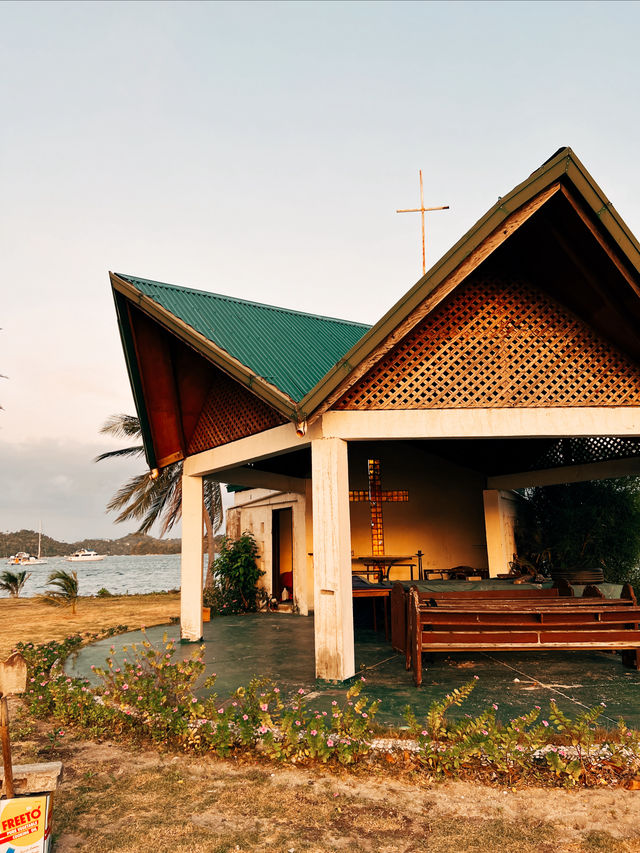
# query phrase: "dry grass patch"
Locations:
[[31, 621]]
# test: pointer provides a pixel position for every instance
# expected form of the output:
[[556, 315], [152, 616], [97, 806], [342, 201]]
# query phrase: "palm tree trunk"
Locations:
[[208, 583]]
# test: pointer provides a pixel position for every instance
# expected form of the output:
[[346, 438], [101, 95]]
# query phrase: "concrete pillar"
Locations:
[[191, 580], [333, 603], [500, 512]]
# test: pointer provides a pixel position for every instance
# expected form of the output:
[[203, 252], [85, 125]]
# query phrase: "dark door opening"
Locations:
[[282, 554]]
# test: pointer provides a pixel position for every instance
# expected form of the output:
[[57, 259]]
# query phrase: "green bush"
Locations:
[[595, 524], [236, 576], [104, 593]]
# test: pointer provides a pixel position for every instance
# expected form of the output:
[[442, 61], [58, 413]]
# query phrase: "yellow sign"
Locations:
[[25, 824]]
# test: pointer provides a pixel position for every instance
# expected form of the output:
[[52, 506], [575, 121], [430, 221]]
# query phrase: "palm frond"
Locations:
[[122, 426], [12, 582], [138, 450], [65, 592]]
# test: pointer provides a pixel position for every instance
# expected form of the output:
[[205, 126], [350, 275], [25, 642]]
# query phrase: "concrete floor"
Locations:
[[280, 646]]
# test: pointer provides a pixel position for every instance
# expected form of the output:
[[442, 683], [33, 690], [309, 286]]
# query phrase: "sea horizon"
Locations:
[[127, 574]]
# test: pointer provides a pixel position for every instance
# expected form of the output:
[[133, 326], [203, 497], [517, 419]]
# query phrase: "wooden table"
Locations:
[[380, 566]]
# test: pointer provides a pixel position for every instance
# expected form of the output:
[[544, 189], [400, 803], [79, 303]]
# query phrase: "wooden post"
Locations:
[[333, 603], [192, 560], [6, 747]]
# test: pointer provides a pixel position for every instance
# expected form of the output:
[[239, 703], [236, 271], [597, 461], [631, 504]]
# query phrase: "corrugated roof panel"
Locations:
[[290, 349]]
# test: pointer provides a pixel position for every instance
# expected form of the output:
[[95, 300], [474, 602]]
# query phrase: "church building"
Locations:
[[513, 362]]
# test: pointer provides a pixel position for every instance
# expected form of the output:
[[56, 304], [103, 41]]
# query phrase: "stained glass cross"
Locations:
[[376, 497]]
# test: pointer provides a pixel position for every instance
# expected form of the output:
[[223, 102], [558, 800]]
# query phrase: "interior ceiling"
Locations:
[[489, 456], [556, 251]]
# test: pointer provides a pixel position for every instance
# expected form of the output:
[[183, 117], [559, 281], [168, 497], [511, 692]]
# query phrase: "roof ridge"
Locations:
[[134, 278]]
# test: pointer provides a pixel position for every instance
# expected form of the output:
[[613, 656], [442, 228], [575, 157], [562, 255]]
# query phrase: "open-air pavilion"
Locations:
[[514, 361]]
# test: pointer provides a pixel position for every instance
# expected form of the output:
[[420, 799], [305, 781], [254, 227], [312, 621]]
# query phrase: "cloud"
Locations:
[[58, 483]]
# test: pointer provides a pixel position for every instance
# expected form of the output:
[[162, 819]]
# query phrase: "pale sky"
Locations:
[[259, 150]]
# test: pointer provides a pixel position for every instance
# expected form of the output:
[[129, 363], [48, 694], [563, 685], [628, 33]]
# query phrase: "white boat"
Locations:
[[24, 559], [85, 556]]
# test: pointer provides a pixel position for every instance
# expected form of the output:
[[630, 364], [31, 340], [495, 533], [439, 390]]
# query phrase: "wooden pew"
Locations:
[[522, 624], [399, 600]]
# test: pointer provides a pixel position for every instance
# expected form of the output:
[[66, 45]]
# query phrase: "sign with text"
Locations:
[[25, 824]]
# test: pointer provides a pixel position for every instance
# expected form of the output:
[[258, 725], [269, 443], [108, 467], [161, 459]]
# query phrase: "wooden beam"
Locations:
[[256, 479], [567, 474], [542, 422]]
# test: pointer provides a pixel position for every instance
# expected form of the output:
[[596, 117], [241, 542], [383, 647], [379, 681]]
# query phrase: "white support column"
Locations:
[[333, 603], [191, 580], [500, 511]]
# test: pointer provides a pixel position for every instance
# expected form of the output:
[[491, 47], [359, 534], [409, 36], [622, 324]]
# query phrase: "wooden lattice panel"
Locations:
[[230, 412], [498, 344], [583, 451]]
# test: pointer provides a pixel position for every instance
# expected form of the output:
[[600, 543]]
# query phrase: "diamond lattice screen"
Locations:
[[498, 344], [231, 412]]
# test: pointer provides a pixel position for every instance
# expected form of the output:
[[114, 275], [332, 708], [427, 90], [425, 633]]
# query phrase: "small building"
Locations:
[[515, 361]]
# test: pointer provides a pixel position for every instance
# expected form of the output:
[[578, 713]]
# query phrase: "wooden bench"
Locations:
[[450, 622], [399, 600]]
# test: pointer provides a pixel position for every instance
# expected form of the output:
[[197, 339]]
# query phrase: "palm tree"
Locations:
[[66, 592], [150, 500], [12, 582]]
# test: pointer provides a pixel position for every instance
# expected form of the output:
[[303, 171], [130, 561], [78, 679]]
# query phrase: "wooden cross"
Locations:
[[422, 210], [376, 497]]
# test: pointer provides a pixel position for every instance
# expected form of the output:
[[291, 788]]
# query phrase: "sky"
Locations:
[[259, 150]]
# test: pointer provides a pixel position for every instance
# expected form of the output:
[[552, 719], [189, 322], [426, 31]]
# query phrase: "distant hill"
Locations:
[[135, 543]]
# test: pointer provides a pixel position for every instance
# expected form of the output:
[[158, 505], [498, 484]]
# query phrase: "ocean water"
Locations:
[[120, 575]]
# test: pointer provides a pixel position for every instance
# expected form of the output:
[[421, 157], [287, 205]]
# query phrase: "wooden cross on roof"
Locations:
[[422, 210], [376, 497]]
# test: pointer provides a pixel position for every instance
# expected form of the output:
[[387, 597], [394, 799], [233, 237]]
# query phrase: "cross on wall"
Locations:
[[376, 496]]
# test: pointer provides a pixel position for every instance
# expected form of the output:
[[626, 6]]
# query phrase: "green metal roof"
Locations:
[[290, 349]]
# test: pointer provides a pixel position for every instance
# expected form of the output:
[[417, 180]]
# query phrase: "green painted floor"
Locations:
[[281, 646]]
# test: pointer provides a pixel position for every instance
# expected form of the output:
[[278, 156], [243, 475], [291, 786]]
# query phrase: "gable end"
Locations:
[[495, 343]]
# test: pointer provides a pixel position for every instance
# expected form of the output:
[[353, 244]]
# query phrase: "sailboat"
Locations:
[[21, 558]]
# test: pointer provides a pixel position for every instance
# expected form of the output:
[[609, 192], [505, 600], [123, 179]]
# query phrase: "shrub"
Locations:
[[236, 575], [104, 593]]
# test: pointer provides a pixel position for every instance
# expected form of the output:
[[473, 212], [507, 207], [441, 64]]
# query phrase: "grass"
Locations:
[[31, 620]]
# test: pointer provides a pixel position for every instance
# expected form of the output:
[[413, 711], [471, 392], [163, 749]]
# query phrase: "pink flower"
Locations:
[[245, 717], [545, 724], [235, 704], [139, 698], [221, 710], [424, 732], [364, 715], [330, 743], [194, 700], [477, 677], [264, 707], [263, 730], [334, 702], [297, 722], [125, 686], [494, 706], [301, 691], [313, 732], [485, 732], [276, 690]]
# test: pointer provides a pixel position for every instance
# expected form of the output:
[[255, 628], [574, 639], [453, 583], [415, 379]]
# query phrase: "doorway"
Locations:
[[282, 554]]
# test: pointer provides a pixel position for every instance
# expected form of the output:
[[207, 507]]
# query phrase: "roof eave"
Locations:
[[263, 389]]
